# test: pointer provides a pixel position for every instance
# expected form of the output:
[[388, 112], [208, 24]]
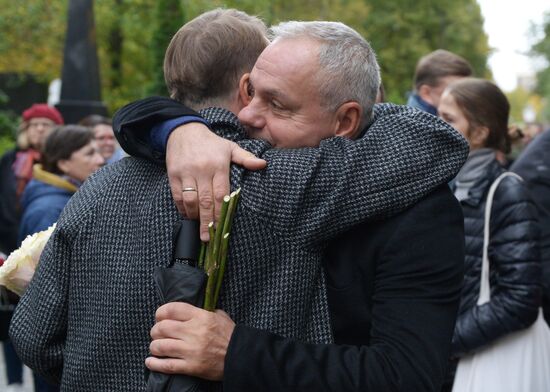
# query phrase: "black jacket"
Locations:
[[393, 289], [9, 216], [514, 263], [534, 166]]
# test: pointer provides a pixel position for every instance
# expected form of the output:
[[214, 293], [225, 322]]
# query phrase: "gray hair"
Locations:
[[348, 67]]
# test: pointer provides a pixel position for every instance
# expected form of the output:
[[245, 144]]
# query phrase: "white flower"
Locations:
[[18, 270]]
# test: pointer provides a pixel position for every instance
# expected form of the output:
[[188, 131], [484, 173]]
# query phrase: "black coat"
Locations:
[[514, 263], [534, 166], [9, 216], [393, 289]]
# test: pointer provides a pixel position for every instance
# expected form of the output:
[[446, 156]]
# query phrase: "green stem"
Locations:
[[209, 261], [217, 238], [221, 271], [216, 250], [202, 255], [234, 199]]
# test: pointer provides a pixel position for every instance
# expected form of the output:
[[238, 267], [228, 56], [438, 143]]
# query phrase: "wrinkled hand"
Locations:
[[189, 340], [197, 158]]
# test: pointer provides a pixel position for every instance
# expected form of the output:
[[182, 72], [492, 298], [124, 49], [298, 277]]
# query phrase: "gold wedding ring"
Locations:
[[188, 190]]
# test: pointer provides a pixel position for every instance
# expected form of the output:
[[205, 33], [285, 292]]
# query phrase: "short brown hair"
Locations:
[[93, 120], [61, 143], [484, 104], [439, 64], [208, 55]]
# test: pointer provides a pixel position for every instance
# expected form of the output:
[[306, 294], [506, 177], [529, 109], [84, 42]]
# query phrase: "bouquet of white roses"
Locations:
[[18, 269]]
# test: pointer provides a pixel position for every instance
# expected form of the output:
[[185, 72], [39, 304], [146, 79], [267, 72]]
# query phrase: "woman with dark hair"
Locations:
[[479, 110], [69, 156]]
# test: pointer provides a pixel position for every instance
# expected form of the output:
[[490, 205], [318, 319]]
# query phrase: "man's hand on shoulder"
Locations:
[[198, 163], [189, 340]]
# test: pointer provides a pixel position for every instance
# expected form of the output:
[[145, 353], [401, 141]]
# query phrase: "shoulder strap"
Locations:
[[484, 288]]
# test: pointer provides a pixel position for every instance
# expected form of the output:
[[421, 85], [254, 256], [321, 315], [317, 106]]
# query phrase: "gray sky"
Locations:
[[507, 25]]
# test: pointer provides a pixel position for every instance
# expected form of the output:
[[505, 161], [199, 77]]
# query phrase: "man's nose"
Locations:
[[251, 117]]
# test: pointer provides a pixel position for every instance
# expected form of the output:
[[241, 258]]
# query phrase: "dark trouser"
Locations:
[[41, 385], [14, 366]]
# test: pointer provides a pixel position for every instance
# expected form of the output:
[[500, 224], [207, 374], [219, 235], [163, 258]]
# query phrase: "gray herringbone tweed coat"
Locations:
[[85, 318]]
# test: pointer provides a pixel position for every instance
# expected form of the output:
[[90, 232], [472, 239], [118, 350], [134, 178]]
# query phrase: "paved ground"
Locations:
[[28, 387]]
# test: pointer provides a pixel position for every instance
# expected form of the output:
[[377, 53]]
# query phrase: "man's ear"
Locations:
[[348, 119], [244, 97], [425, 92]]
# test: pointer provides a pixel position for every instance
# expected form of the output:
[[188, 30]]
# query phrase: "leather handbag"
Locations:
[[519, 361]]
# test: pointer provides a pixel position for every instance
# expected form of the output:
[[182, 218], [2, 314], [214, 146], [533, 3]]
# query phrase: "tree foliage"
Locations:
[[169, 18], [131, 40]]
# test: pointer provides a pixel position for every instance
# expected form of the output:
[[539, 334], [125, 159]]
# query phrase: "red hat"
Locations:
[[43, 110]]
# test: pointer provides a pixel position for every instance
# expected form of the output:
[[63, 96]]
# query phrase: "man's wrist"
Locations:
[[161, 132]]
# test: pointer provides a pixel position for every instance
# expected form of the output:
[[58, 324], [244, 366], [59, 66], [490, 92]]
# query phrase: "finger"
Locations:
[[246, 159], [171, 348], [166, 365], [190, 197], [222, 313], [168, 329], [206, 205], [175, 189], [220, 185], [179, 311]]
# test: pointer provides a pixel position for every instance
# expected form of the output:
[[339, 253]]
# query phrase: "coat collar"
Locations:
[[477, 193], [52, 179], [220, 118]]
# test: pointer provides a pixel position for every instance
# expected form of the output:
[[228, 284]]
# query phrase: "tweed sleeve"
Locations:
[[313, 194], [39, 323], [514, 258]]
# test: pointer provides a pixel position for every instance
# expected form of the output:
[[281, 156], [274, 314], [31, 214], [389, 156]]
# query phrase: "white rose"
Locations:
[[18, 270]]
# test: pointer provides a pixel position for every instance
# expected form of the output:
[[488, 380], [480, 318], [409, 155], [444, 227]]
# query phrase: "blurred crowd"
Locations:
[[51, 160], [38, 177]]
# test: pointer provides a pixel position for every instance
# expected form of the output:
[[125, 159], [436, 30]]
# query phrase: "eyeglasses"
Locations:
[[104, 138], [43, 124]]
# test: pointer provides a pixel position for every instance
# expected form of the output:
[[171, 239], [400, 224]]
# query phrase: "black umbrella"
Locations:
[[182, 281]]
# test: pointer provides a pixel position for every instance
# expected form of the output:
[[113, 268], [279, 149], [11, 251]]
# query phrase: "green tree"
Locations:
[[32, 37], [402, 31], [124, 29], [169, 17], [130, 44]]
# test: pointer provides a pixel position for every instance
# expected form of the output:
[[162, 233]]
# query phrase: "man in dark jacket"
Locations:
[[534, 166], [434, 72], [392, 287]]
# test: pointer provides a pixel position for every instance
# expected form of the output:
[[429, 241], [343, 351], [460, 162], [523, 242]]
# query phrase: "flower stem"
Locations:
[[221, 271]]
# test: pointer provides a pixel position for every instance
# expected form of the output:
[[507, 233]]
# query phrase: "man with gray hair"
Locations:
[[91, 330], [392, 284]]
